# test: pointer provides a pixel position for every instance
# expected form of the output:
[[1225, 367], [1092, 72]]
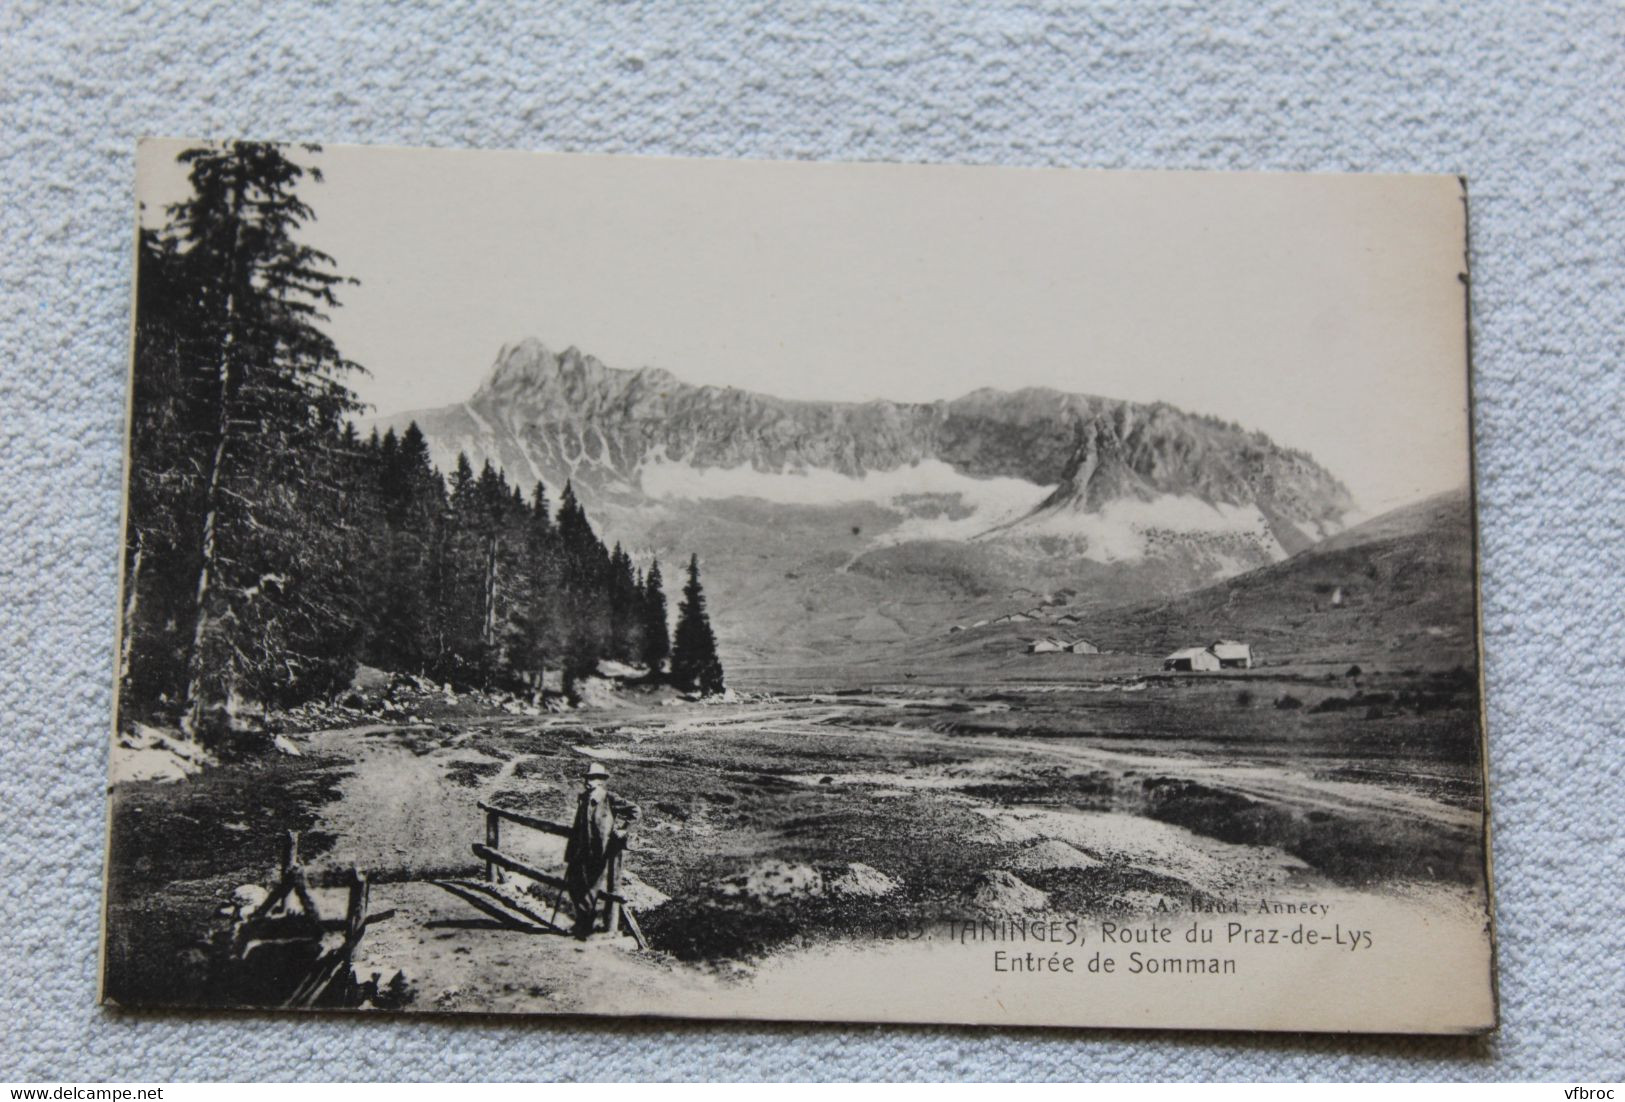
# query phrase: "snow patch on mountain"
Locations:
[[938, 501]]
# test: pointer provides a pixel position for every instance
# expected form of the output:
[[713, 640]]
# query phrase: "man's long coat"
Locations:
[[587, 852]]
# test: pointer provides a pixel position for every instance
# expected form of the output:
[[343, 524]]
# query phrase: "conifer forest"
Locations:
[[271, 548]]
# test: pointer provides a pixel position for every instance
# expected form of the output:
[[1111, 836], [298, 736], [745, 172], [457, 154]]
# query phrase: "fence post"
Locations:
[[613, 882], [493, 832], [355, 914]]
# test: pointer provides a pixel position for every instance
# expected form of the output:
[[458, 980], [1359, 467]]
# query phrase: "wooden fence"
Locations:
[[285, 951], [490, 852]]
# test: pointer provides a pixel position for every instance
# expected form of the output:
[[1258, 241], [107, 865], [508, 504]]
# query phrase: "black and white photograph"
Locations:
[[851, 592]]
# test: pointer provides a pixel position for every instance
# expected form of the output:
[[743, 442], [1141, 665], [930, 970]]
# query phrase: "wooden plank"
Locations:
[[519, 906], [497, 904], [613, 925], [466, 891], [632, 924], [526, 820], [493, 838], [355, 911], [296, 877], [327, 969], [486, 853]]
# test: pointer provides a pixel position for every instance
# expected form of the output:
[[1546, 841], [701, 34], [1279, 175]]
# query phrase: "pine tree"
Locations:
[[462, 476], [574, 531], [625, 608], [463, 579], [539, 617], [585, 585], [164, 482], [541, 513], [656, 632], [239, 408], [492, 491], [400, 609], [694, 663]]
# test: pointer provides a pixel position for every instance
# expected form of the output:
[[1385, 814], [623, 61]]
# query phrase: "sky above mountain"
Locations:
[[1324, 310]]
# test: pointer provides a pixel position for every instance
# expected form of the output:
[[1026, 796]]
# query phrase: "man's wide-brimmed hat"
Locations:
[[596, 770]]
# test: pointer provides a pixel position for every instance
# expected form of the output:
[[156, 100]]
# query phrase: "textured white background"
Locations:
[[1524, 98]]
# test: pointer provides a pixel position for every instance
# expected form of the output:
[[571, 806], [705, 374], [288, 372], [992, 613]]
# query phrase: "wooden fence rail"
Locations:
[[490, 851], [494, 814], [493, 857]]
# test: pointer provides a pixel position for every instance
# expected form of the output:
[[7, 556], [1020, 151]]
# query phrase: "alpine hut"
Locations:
[[1191, 658], [1232, 655]]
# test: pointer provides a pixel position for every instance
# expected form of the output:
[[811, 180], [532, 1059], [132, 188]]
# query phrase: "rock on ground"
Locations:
[[369, 679], [598, 694], [770, 881], [1001, 892], [860, 880], [863, 881]]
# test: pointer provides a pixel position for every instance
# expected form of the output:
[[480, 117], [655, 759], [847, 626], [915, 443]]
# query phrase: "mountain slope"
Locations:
[[1400, 586]]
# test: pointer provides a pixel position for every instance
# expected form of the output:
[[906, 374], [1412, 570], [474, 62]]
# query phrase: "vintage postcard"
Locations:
[[845, 592]]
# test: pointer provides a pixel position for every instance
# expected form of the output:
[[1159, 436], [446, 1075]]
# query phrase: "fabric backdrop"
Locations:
[[1524, 99]]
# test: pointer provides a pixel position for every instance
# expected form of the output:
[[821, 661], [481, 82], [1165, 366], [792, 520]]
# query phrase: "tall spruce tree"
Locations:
[[540, 618], [165, 462], [464, 579], [399, 570], [656, 632], [249, 393], [694, 663], [625, 608], [585, 585]]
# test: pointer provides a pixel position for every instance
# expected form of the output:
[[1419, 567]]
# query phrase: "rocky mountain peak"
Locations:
[[988, 490], [565, 385], [1098, 472]]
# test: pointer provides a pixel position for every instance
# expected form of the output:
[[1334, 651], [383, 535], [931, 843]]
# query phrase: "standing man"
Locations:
[[595, 842]]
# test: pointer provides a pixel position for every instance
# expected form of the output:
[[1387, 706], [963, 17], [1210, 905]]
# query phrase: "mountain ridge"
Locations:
[[1033, 433], [884, 501]]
